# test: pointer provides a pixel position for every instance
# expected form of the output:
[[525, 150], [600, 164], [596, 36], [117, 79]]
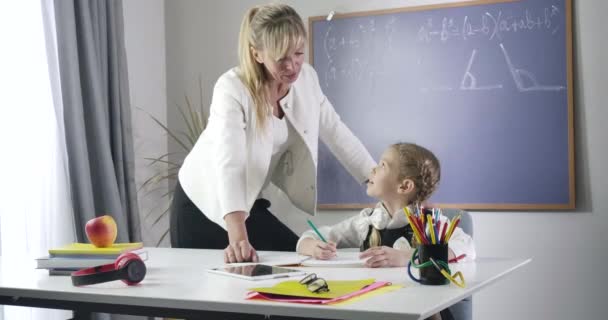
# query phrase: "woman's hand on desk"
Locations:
[[239, 249], [378, 257]]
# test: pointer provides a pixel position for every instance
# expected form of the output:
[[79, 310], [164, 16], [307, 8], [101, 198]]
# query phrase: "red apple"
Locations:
[[101, 231]]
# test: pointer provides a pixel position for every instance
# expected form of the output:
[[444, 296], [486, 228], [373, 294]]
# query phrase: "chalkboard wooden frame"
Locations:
[[570, 105]]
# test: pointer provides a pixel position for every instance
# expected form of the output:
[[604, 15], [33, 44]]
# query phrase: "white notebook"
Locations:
[[278, 259], [344, 259], [349, 259]]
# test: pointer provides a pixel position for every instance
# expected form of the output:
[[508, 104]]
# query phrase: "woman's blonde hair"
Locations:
[[274, 29], [421, 166]]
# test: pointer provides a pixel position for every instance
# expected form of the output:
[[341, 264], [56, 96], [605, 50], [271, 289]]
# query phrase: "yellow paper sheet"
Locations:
[[337, 288]]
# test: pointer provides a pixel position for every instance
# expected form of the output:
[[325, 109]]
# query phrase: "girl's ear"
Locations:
[[406, 186]]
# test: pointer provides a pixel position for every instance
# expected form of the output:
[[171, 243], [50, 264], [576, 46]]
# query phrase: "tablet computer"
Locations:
[[257, 271]]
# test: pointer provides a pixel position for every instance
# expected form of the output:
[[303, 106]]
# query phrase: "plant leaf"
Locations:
[[157, 178], [167, 130], [201, 119], [153, 161], [168, 154], [157, 203], [188, 137], [190, 129], [195, 123], [170, 133], [147, 182], [193, 116], [162, 237], [160, 216]]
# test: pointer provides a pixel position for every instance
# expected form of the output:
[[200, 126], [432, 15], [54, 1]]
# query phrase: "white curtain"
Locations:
[[35, 205]]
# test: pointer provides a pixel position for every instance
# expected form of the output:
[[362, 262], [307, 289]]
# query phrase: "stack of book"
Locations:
[[75, 256]]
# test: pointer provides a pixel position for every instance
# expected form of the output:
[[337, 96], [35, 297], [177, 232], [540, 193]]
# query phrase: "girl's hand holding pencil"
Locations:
[[324, 250]]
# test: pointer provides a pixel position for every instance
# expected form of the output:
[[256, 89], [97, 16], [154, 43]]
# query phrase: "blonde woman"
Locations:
[[265, 121]]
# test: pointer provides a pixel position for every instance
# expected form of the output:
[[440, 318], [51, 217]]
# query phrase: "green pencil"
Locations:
[[312, 225]]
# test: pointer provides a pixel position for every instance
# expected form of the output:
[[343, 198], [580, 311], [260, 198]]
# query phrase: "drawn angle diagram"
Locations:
[[520, 76], [524, 80], [469, 81]]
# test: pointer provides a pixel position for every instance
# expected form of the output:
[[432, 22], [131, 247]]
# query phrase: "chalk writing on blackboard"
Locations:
[[492, 25], [469, 81], [526, 80], [365, 37]]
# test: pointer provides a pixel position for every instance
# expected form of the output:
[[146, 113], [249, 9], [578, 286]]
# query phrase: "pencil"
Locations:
[[442, 237], [312, 225], [447, 238], [421, 230], [412, 224], [432, 231]]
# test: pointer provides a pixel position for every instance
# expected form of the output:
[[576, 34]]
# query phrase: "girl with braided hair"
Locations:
[[406, 175]]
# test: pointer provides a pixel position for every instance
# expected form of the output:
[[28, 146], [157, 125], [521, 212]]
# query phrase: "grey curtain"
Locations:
[[97, 116]]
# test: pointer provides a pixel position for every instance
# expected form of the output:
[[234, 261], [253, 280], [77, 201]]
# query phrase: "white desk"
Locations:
[[177, 284]]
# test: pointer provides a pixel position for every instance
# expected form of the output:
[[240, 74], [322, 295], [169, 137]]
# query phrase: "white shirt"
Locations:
[[351, 232], [282, 133]]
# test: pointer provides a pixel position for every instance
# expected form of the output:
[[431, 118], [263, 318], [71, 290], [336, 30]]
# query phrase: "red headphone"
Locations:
[[128, 267]]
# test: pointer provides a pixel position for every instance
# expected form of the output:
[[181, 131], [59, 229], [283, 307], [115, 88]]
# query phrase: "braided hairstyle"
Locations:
[[421, 166]]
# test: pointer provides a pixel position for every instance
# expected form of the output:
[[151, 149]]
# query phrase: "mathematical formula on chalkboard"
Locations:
[[490, 26]]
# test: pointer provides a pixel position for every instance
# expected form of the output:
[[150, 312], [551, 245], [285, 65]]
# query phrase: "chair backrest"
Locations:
[[466, 221], [462, 310]]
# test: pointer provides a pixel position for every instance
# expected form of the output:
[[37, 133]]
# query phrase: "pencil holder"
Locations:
[[429, 274]]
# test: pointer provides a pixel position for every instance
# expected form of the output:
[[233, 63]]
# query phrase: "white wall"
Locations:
[[566, 279], [145, 44]]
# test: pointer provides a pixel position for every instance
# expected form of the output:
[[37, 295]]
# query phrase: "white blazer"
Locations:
[[227, 167]]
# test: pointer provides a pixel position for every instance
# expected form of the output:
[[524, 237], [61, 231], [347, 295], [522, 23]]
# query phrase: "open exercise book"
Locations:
[[344, 259]]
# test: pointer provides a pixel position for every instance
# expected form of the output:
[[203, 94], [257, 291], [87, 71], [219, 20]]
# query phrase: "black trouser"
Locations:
[[190, 228]]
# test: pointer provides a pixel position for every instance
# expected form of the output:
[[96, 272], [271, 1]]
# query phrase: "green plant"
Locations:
[[194, 121]]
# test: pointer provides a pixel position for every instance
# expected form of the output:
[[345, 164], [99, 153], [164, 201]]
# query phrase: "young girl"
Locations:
[[406, 175]]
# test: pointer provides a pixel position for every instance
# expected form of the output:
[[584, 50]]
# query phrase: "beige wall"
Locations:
[[145, 43]]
